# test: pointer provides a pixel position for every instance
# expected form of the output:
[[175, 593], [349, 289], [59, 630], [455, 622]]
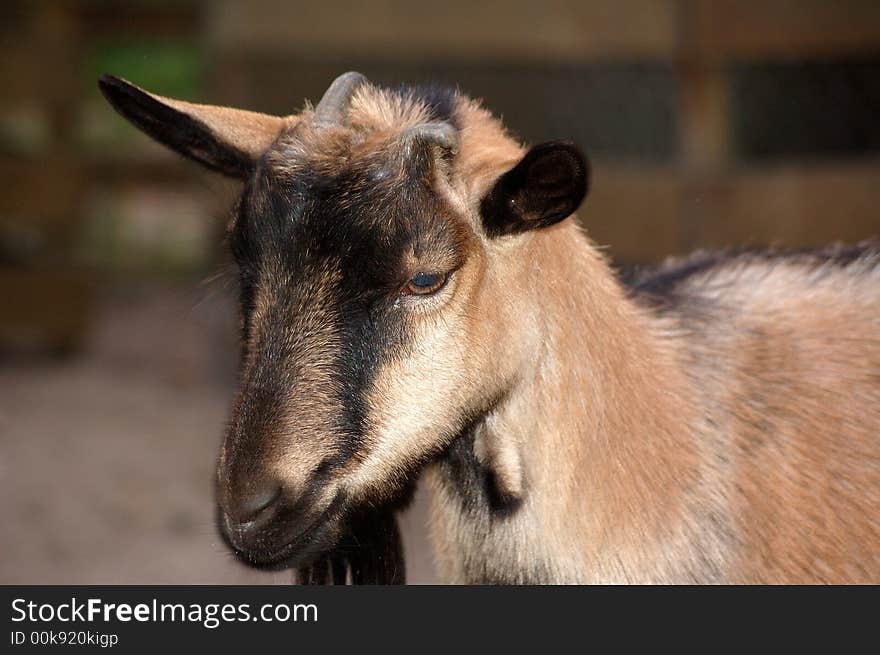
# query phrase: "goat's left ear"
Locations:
[[226, 140], [546, 186]]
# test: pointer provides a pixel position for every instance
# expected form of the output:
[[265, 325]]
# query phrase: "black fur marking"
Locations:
[[180, 132], [440, 99], [371, 552], [545, 187], [660, 286], [664, 288], [475, 485]]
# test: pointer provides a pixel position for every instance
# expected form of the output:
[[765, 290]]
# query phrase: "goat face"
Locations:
[[378, 301], [355, 309]]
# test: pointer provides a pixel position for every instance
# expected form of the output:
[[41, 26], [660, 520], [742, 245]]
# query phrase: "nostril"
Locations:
[[256, 502]]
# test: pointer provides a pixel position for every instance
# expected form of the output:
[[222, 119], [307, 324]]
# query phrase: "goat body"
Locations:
[[715, 421], [413, 298]]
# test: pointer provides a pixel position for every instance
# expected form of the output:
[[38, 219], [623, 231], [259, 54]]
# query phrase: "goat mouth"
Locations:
[[308, 543], [302, 551], [357, 548]]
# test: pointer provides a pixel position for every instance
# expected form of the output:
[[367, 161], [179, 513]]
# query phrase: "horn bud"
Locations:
[[443, 135], [334, 103]]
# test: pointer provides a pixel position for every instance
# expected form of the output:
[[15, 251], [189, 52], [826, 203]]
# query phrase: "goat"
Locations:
[[413, 300]]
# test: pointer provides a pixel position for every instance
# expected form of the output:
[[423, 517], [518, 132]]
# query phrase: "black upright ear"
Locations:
[[226, 140], [547, 185]]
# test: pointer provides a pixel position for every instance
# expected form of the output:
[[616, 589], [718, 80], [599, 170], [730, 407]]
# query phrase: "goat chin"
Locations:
[[369, 552]]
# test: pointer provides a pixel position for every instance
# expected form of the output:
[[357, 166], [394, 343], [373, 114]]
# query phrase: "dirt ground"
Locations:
[[106, 457]]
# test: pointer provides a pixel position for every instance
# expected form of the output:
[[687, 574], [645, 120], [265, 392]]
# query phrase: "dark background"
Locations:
[[709, 122]]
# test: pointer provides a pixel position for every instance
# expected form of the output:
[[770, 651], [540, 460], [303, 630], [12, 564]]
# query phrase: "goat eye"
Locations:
[[424, 283]]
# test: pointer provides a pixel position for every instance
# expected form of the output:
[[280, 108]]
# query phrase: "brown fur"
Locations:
[[739, 447]]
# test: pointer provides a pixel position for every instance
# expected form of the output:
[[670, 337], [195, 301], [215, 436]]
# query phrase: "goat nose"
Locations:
[[254, 502]]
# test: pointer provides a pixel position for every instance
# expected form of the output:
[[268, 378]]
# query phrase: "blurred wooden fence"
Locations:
[[689, 187]]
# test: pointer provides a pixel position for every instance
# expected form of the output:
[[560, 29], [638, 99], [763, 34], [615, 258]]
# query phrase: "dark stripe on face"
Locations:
[[313, 247]]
